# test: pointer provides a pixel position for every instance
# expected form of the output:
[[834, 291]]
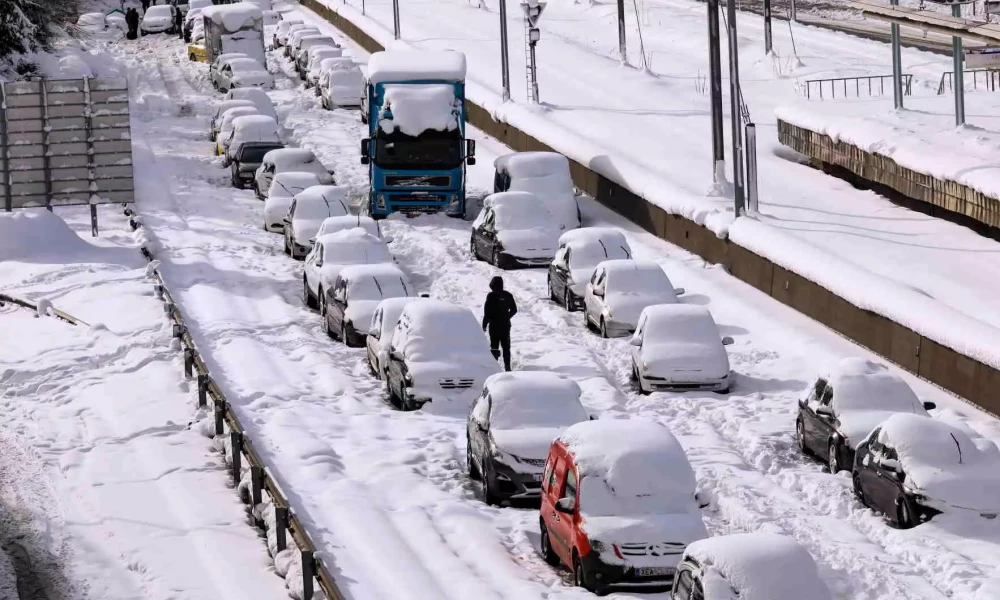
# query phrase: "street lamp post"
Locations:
[[504, 56]]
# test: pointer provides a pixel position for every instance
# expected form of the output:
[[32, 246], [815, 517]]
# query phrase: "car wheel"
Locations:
[[471, 464], [489, 494], [800, 436], [859, 491], [579, 575], [904, 516], [638, 381], [288, 248], [552, 292], [472, 248], [833, 458], [604, 328], [586, 320], [495, 258], [568, 300], [310, 301], [548, 553], [343, 333]]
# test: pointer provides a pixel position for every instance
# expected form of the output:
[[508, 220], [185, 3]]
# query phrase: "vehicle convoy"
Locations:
[[514, 229], [618, 504], [677, 347], [579, 253], [511, 427], [313, 61], [437, 352], [287, 160], [748, 566], [283, 188], [545, 174], [416, 150], [306, 45], [842, 407], [912, 467], [341, 83], [331, 254], [247, 160], [309, 209], [618, 292], [243, 73], [235, 27], [352, 299]]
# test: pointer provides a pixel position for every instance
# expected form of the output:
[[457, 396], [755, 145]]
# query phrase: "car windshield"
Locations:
[[286, 189], [159, 11], [520, 215], [245, 65], [599, 499], [883, 391], [377, 288], [589, 254], [432, 149], [353, 253], [641, 281], [678, 330], [255, 154], [555, 410], [316, 208]]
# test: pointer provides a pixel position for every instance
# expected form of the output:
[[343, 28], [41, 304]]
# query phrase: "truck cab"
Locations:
[[416, 147]]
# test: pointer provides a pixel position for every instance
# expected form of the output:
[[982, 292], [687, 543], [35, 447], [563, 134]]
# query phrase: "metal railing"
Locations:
[[261, 481], [990, 78], [5, 299], [874, 85]]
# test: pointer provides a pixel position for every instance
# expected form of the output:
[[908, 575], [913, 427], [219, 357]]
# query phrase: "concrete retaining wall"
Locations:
[[943, 366]]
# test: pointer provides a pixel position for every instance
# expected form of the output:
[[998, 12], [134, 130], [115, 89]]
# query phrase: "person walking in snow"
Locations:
[[132, 20], [178, 21], [497, 313], [145, 6]]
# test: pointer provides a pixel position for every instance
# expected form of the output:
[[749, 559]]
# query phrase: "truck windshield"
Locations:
[[430, 150]]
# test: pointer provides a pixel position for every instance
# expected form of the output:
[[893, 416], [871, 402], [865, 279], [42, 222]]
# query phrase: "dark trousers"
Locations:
[[500, 341]]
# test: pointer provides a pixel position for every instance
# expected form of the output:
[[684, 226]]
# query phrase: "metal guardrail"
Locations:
[[844, 85], [261, 480], [991, 77], [5, 299]]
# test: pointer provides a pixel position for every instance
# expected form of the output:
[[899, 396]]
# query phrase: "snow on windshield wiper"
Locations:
[[603, 247], [284, 187], [379, 286]]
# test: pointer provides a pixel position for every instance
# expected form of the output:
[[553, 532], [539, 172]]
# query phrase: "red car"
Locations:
[[618, 504]]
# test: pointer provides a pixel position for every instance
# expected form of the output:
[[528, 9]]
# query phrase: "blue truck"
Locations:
[[416, 149]]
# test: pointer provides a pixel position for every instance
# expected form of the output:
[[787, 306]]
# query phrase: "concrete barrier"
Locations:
[[972, 380]]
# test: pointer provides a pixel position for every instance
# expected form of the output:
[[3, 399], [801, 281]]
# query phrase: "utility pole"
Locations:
[[734, 107], [715, 89], [897, 64], [395, 19], [958, 76], [622, 53], [768, 42], [504, 57]]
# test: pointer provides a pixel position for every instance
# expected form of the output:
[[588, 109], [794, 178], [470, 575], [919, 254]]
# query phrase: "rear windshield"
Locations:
[[376, 288], [638, 280], [255, 153]]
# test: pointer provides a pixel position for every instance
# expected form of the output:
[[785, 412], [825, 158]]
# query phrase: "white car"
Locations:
[[514, 229], [221, 61], [250, 128], [243, 72], [748, 566], [257, 96], [92, 21], [221, 109], [384, 321], [510, 429], [294, 37], [545, 174], [335, 224], [309, 209], [225, 124], [286, 160], [314, 62], [271, 19], [579, 252], [332, 253], [306, 44], [842, 407], [677, 347], [341, 83], [619, 290], [157, 19], [438, 352], [348, 305], [283, 188], [281, 31]]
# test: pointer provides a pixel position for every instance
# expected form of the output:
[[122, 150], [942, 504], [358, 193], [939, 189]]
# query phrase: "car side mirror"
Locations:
[[365, 151], [929, 405], [593, 417], [565, 505], [679, 291], [395, 355], [470, 152], [635, 341], [824, 411], [802, 403], [599, 293], [425, 295], [726, 341]]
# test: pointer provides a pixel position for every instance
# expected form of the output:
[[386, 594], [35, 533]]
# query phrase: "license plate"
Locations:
[[536, 477], [653, 571]]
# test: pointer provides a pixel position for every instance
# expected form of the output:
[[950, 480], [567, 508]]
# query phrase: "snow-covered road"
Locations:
[[384, 493]]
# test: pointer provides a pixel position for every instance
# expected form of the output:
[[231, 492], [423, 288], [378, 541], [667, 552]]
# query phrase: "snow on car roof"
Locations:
[[234, 103], [535, 398], [231, 114], [532, 164], [332, 51], [679, 323], [418, 108], [416, 65], [340, 63], [249, 94], [439, 328], [862, 384], [163, 10], [233, 16], [762, 566], [294, 179], [286, 157], [352, 235], [634, 456], [328, 193], [630, 275], [932, 442], [380, 270], [583, 235], [321, 202], [257, 122]]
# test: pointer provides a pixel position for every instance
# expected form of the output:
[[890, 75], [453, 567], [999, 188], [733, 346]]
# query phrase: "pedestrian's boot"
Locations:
[[496, 354]]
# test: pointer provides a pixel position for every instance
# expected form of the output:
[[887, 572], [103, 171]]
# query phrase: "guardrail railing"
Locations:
[[5, 299], [989, 78], [874, 85]]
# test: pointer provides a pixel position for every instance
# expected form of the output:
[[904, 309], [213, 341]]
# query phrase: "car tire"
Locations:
[[859, 492], [548, 553], [800, 436], [495, 257], [833, 458], [471, 464], [904, 515], [552, 292], [568, 300], [489, 496], [472, 248], [604, 328], [586, 320], [310, 301], [343, 333]]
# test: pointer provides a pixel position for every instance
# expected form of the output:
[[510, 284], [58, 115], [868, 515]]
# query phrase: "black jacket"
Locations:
[[499, 307]]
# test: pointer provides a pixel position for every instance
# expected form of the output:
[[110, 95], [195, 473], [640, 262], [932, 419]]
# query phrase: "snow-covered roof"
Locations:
[[283, 158], [233, 103], [162, 10], [324, 51], [862, 384], [680, 323], [330, 195], [418, 108], [333, 224], [634, 456], [233, 17], [534, 398], [245, 65], [293, 182], [760, 566], [377, 270], [416, 65], [341, 63], [596, 235], [227, 117], [440, 329], [354, 235], [532, 164]]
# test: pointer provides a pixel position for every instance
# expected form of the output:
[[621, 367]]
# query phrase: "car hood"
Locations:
[[475, 365], [651, 539], [157, 20], [359, 314], [970, 487], [626, 307], [305, 229], [530, 243], [855, 425], [253, 77], [692, 362], [533, 442]]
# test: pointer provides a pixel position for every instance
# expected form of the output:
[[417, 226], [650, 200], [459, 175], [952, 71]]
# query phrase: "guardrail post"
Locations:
[[236, 441], [168, 308], [188, 362], [158, 288], [202, 389], [178, 330], [220, 418], [280, 525], [256, 485], [308, 573]]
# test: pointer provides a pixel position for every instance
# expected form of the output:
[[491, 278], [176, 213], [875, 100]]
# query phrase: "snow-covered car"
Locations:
[[219, 63], [294, 36], [341, 83], [157, 19], [618, 504], [618, 291], [579, 252], [677, 347], [349, 304], [437, 352], [332, 253], [198, 32], [257, 96], [281, 31], [748, 566], [514, 229], [250, 128], [284, 187], [220, 111], [911, 468], [246, 161], [305, 44], [92, 21], [380, 330], [363, 105], [313, 58], [243, 72], [225, 125], [545, 174], [309, 209], [287, 160], [284, 37], [192, 17], [511, 427], [116, 20], [335, 224], [842, 407], [271, 19]]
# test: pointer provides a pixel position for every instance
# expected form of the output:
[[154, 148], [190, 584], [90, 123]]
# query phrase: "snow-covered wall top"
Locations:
[[418, 108], [233, 17], [416, 65]]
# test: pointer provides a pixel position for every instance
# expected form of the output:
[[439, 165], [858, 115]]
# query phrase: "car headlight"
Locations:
[[645, 367]]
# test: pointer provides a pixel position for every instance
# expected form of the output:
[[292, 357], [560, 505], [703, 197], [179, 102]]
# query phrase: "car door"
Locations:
[[337, 304], [478, 428], [640, 329], [563, 529], [886, 486], [487, 234], [594, 299], [311, 267], [826, 422], [557, 272], [225, 76], [395, 369], [372, 342], [867, 467], [807, 413], [553, 518]]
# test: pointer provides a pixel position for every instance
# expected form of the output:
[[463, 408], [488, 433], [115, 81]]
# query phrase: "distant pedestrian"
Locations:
[[178, 21], [132, 20], [145, 6], [497, 313]]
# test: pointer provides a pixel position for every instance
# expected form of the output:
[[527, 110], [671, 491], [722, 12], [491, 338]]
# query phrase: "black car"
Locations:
[[350, 303], [244, 166], [878, 483], [514, 230]]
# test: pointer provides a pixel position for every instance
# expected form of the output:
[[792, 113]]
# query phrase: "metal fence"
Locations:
[[870, 85], [65, 142], [986, 79]]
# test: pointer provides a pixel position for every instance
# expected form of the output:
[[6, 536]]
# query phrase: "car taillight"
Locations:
[[618, 552]]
